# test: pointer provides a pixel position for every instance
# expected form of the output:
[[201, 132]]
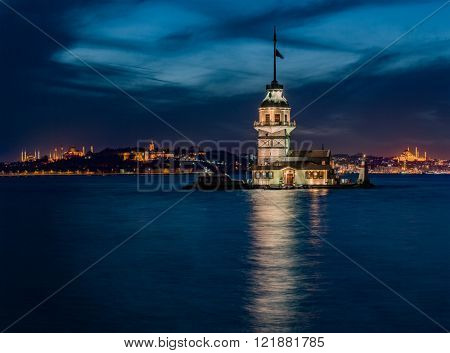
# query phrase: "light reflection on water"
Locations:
[[283, 258], [316, 215]]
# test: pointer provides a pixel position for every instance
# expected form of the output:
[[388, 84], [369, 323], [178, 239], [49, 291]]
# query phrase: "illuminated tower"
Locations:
[[274, 124]]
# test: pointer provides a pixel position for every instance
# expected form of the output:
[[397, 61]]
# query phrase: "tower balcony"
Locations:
[[274, 123]]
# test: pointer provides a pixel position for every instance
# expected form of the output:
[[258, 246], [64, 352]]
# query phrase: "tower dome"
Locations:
[[274, 97]]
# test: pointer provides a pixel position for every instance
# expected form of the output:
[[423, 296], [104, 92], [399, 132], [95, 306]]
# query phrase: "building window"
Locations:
[[285, 118], [277, 118], [315, 174], [267, 118], [263, 175]]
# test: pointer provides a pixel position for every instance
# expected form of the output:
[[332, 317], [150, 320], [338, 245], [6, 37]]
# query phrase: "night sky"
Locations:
[[203, 66]]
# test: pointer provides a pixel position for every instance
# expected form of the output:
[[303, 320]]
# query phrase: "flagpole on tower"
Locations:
[[274, 54]]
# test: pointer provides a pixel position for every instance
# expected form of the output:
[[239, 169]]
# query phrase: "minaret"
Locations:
[[274, 124]]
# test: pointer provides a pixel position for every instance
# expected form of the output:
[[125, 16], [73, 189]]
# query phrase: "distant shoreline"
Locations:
[[162, 173], [89, 174]]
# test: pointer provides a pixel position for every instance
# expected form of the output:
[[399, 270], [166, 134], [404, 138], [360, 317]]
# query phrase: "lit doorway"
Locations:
[[289, 177]]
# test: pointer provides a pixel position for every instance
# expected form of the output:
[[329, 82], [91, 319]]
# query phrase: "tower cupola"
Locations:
[[274, 97]]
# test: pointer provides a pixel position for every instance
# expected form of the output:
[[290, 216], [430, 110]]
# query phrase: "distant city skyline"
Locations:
[[58, 152], [203, 70], [153, 158]]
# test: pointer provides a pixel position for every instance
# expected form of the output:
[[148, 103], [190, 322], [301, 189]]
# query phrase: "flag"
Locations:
[[277, 53]]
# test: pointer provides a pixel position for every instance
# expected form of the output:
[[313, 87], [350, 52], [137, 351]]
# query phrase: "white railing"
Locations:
[[274, 123]]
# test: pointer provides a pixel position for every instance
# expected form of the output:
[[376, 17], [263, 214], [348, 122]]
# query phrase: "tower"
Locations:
[[274, 124], [363, 177]]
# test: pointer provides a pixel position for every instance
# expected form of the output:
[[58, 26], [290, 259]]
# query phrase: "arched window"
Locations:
[[277, 118]]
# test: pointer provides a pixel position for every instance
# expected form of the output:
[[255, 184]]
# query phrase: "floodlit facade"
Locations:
[[408, 156]]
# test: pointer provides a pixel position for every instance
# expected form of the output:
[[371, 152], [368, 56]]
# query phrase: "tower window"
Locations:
[[267, 118], [277, 118], [285, 117]]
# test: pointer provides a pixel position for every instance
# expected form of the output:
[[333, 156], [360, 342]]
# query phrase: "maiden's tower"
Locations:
[[278, 165]]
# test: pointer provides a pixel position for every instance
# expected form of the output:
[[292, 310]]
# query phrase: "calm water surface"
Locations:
[[224, 261]]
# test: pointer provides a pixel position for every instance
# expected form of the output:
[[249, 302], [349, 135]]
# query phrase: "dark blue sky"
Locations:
[[203, 65]]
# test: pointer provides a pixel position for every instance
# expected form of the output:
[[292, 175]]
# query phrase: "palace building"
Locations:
[[277, 164]]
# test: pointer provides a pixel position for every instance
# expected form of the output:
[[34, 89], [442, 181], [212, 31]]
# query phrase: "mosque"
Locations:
[[408, 156], [277, 164]]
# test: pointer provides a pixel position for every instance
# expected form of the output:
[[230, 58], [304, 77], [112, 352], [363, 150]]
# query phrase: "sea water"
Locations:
[[362, 260]]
